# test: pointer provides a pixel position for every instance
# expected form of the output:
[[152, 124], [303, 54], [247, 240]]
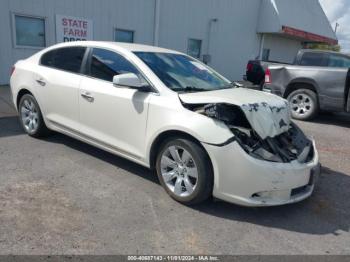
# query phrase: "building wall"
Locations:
[[282, 49], [305, 15], [233, 37], [135, 15]]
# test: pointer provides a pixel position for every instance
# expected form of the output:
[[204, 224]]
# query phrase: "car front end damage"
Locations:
[[268, 161]]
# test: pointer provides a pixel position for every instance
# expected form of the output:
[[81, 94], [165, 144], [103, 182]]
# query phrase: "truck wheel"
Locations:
[[304, 104]]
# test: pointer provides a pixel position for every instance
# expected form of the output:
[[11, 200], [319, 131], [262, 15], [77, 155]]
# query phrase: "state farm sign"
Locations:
[[73, 29]]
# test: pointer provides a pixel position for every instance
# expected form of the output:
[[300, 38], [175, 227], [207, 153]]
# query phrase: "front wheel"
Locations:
[[304, 104], [184, 170]]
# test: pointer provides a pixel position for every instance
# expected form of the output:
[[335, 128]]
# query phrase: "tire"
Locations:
[[304, 104], [31, 117], [191, 158]]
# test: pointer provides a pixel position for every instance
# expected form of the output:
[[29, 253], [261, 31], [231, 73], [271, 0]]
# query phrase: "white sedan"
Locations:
[[204, 135]]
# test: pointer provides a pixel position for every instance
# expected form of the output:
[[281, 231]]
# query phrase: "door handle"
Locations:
[[88, 97], [41, 82]]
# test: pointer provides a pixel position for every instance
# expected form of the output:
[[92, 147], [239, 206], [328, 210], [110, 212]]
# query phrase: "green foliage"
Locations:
[[327, 47]]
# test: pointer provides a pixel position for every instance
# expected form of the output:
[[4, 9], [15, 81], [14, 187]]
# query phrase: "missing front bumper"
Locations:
[[244, 180]]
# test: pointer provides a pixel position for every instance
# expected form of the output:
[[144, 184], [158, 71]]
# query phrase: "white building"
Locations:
[[224, 33]]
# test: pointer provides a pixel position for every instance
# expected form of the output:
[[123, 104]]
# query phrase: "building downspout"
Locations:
[[262, 37], [156, 22], [207, 56], [261, 48]]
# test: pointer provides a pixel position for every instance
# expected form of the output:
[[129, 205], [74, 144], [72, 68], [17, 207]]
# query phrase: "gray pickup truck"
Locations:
[[317, 80]]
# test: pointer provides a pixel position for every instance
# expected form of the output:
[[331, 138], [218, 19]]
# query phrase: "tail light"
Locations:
[[12, 70], [268, 79], [249, 67]]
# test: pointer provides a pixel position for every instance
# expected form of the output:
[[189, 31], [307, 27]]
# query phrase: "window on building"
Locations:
[[106, 64], [338, 61], [68, 59], [314, 59], [29, 31], [194, 48], [266, 54], [126, 36]]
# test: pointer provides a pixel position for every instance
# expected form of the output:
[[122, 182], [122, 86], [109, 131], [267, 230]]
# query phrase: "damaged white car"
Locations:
[[203, 135]]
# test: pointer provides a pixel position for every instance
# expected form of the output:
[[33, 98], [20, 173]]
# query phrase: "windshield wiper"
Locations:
[[194, 89], [232, 85], [236, 84]]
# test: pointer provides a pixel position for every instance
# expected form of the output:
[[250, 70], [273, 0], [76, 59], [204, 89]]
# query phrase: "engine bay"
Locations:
[[284, 148]]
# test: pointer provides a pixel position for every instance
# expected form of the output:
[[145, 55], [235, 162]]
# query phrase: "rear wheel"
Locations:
[[184, 170], [31, 117], [304, 104]]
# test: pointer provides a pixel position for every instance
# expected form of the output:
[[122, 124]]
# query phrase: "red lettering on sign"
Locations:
[[74, 29], [74, 23]]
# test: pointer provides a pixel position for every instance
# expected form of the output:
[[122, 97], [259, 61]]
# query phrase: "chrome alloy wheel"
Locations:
[[301, 104], [179, 171], [29, 116]]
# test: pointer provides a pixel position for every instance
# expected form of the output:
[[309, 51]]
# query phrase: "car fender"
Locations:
[[169, 114], [22, 79]]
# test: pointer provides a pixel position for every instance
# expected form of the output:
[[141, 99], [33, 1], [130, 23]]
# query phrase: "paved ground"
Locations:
[[61, 196]]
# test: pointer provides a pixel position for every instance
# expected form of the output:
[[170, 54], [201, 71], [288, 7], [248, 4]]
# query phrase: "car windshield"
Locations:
[[182, 73]]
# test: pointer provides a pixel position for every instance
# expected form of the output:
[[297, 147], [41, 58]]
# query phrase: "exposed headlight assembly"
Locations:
[[286, 147]]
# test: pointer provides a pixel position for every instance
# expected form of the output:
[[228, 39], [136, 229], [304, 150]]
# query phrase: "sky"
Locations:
[[338, 11]]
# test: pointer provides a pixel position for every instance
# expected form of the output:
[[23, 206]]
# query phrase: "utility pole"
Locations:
[[336, 27]]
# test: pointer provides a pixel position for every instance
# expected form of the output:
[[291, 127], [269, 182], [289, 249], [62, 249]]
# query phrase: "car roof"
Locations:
[[126, 46]]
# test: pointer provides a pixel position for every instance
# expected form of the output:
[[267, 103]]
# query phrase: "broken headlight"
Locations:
[[286, 147], [289, 146]]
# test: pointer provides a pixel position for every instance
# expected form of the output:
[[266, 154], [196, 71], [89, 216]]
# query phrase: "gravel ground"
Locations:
[[61, 196]]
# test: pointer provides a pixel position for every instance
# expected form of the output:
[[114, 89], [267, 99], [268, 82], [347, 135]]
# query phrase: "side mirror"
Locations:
[[130, 80]]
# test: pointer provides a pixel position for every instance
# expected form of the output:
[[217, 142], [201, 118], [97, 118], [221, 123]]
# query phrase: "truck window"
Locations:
[[338, 61], [314, 59], [347, 63], [335, 61]]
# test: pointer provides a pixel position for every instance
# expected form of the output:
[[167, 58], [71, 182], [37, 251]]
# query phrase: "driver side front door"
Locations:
[[112, 116]]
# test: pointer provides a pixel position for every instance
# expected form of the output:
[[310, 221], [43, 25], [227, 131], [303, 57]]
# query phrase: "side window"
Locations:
[[47, 59], [338, 61], [106, 64], [314, 59], [347, 62], [68, 59]]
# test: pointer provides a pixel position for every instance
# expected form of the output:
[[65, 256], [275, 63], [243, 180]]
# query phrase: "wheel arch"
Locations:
[[165, 135], [300, 84], [20, 94]]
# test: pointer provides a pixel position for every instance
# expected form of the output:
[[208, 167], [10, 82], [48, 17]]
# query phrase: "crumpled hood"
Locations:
[[269, 115]]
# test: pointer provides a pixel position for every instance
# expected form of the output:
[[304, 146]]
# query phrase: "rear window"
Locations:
[[314, 59], [67, 59]]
